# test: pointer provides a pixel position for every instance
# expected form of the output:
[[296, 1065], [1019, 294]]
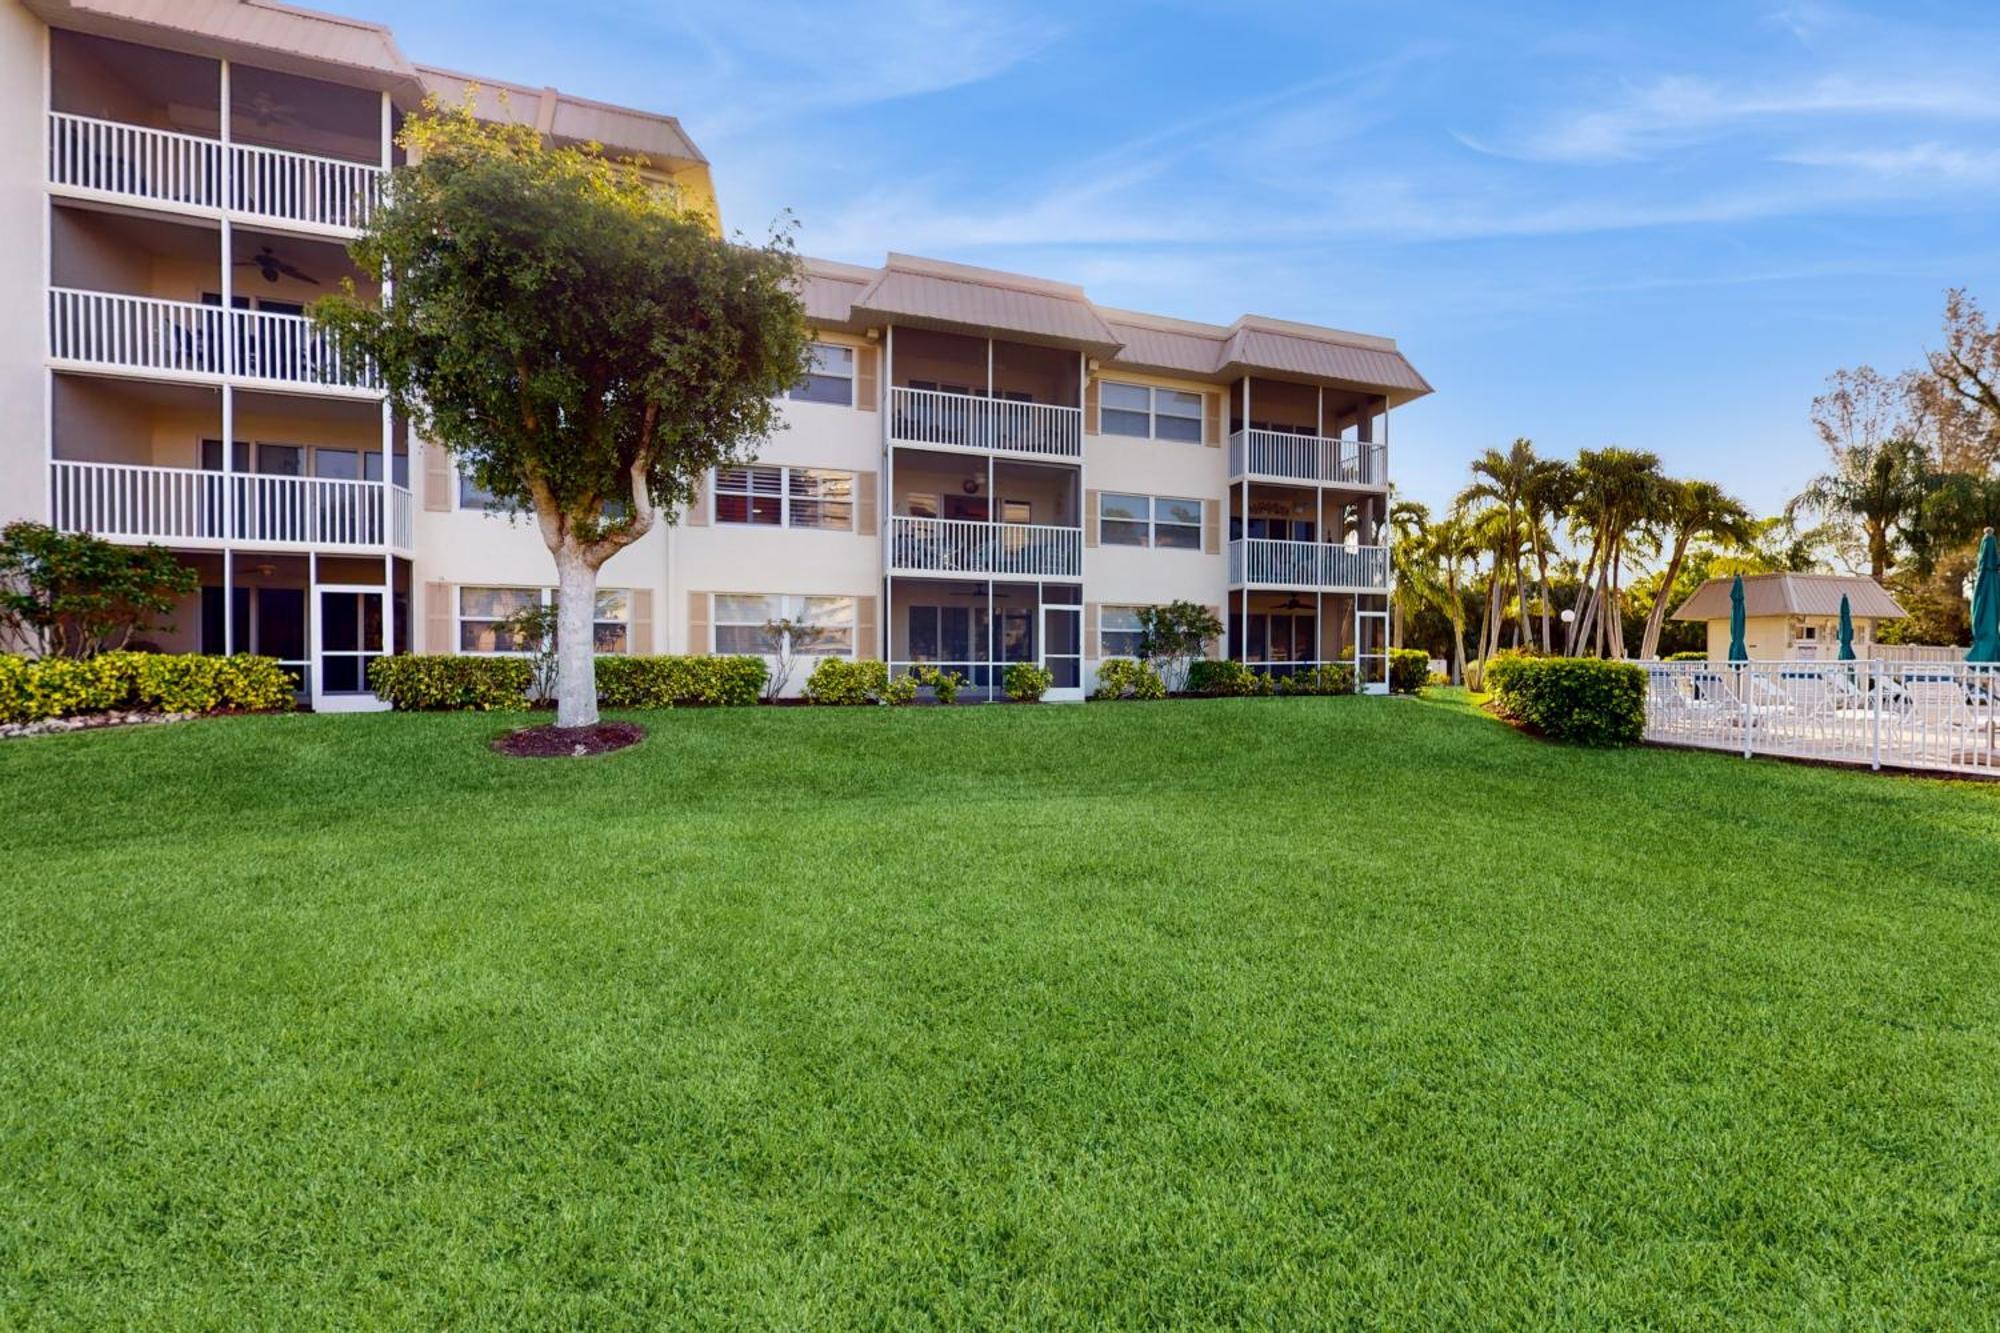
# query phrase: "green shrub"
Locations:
[[1225, 679], [1121, 678], [1409, 670], [35, 688], [943, 684], [1328, 678], [1695, 656], [843, 683], [1582, 700], [431, 682], [679, 682], [1027, 683]]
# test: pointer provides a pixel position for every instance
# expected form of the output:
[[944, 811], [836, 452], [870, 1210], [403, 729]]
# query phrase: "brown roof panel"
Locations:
[[929, 293], [1793, 595], [621, 130], [278, 36], [1280, 350]]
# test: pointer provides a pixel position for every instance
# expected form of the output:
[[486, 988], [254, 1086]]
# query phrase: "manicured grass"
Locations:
[[1275, 1012]]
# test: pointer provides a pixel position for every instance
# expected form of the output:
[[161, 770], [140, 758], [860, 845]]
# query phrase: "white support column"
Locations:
[[389, 445], [228, 602], [227, 286], [48, 280]]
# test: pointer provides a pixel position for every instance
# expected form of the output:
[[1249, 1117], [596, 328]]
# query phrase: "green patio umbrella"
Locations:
[[1737, 652], [1846, 630], [1986, 604]]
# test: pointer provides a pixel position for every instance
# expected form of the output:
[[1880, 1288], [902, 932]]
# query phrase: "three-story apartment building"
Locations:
[[983, 468]]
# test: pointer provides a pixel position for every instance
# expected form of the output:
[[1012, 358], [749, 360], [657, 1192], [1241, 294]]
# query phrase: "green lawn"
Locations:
[[1272, 1012]]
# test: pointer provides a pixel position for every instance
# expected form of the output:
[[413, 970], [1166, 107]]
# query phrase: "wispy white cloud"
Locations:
[[1676, 111], [1929, 162]]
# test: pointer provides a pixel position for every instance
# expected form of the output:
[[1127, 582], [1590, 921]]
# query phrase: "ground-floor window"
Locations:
[[483, 614], [1118, 632], [742, 622]]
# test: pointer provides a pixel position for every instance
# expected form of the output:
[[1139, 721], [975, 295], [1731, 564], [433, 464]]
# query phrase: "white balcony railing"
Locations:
[[1270, 453], [958, 546], [1308, 565], [165, 166], [115, 331], [113, 158], [962, 421], [302, 187], [170, 504]]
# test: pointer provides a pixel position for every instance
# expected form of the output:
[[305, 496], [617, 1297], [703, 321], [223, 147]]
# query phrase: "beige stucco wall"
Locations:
[[23, 386]]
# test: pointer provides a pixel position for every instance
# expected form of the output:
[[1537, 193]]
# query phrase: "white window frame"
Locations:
[[1153, 412], [791, 605], [818, 372], [1152, 521], [544, 597], [1104, 651], [784, 497]]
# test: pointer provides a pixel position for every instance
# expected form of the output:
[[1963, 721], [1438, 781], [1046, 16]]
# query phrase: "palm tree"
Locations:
[[1448, 544], [1409, 560], [1502, 480], [1689, 510], [1616, 489], [1545, 497], [1879, 487]]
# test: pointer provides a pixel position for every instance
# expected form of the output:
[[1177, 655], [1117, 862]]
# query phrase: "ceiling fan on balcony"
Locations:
[[267, 110], [268, 262], [1292, 603]]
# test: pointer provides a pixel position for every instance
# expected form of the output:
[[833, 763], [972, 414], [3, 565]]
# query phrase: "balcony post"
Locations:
[[388, 489]]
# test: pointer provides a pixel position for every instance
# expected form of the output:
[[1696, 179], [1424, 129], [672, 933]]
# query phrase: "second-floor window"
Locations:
[[831, 379], [1148, 413], [788, 497], [1149, 520]]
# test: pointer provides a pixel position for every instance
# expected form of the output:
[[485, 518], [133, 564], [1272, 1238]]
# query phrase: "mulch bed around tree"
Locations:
[[553, 742]]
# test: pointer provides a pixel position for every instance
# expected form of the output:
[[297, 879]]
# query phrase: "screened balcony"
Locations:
[[956, 391]]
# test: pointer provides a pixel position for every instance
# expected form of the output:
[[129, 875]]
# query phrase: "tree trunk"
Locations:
[[1878, 552], [1650, 649], [577, 563], [1586, 589], [1542, 582], [576, 634]]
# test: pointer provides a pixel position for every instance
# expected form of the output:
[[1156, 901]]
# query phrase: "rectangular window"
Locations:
[[471, 495], [1125, 409], [743, 620], [831, 379], [483, 612], [1147, 413], [1123, 519], [1177, 523], [1118, 631], [1144, 520], [793, 497]]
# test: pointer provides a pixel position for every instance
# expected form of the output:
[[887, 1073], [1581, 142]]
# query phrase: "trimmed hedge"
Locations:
[[450, 682], [1409, 670], [1697, 655], [1225, 679], [1581, 700], [1027, 683], [1123, 678], [680, 682], [1329, 678], [32, 689], [841, 683]]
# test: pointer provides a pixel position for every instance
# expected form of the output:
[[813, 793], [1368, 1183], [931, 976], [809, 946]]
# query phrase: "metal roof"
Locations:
[[929, 293], [935, 294], [1793, 595]]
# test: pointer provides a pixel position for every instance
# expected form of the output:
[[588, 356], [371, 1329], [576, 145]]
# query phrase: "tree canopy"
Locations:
[[582, 345]]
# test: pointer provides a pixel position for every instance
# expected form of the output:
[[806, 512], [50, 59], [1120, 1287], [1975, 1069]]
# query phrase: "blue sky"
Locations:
[[1652, 225]]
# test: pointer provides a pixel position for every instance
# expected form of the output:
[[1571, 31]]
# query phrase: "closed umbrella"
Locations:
[[1986, 604], [1846, 630], [1737, 652]]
